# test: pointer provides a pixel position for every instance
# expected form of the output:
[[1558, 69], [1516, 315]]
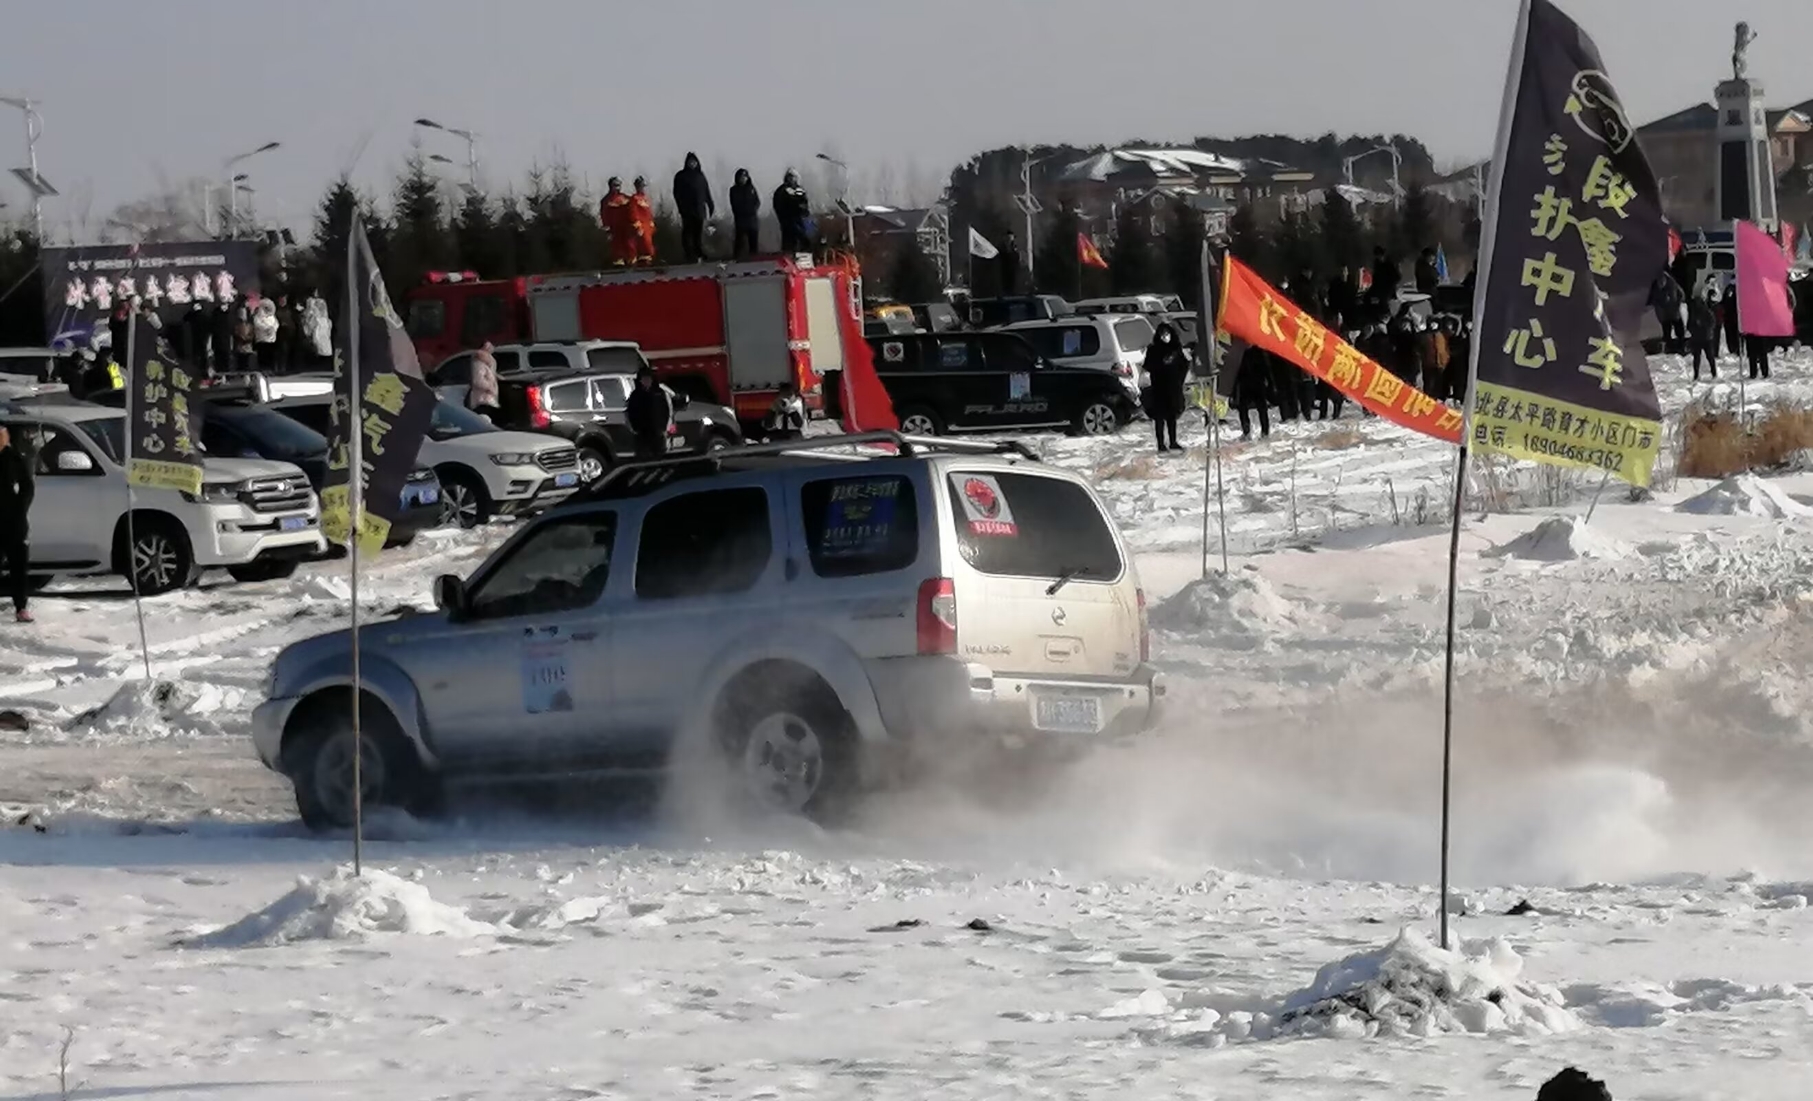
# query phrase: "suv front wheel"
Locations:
[[318, 759], [468, 503]]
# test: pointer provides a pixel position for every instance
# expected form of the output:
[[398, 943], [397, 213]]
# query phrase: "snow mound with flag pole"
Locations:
[[1561, 539]]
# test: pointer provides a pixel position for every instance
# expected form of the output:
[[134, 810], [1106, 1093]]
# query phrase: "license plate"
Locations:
[[562, 481], [1067, 714], [429, 496], [676, 443], [292, 523]]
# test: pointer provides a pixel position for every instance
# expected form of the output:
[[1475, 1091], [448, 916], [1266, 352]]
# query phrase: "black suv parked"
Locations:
[[587, 407], [961, 381]]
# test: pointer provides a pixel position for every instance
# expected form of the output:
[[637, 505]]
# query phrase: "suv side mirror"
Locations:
[[681, 401], [74, 462], [450, 595]]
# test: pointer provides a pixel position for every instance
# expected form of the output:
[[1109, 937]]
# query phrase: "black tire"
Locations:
[[317, 759], [720, 441], [468, 501], [158, 559], [933, 424], [790, 708], [1098, 416], [594, 461], [399, 541], [271, 569], [38, 583]]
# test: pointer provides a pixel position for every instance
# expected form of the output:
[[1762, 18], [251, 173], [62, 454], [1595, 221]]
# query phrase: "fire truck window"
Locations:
[[427, 318], [484, 318]]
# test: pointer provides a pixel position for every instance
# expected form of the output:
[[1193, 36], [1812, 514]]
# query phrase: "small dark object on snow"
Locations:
[[13, 720], [29, 818], [903, 923], [1523, 908], [1573, 1085], [979, 925]]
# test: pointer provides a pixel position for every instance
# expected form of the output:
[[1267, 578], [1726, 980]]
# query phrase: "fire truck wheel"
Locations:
[[920, 421]]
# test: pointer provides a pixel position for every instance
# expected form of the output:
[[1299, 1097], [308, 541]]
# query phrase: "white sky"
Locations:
[[136, 93]]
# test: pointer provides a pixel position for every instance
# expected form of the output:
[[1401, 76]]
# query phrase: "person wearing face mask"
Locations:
[[650, 412], [793, 209], [746, 211], [1168, 368]]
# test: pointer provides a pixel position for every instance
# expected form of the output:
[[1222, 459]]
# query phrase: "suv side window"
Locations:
[[611, 393], [956, 353], [569, 397], [44, 443], [860, 526], [506, 361], [1010, 353], [548, 357], [455, 371], [704, 544], [561, 566]]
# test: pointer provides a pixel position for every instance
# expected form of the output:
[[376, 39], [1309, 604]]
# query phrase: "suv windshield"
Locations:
[[451, 421], [109, 434], [277, 436], [1027, 525], [1133, 333]]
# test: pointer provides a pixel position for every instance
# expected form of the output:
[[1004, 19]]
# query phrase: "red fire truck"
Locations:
[[730, 333]]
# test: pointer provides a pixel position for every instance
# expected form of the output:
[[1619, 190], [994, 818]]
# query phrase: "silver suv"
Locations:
[[814, 610]]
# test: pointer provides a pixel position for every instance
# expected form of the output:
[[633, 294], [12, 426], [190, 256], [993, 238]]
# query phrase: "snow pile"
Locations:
[[1242, 602], [1409, 988], [343, 907], [1745, 495], [1561, 539], [163, 709]]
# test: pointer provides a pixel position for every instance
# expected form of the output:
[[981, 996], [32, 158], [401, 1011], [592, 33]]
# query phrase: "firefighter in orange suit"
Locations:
[[615, 213], [642, 217]]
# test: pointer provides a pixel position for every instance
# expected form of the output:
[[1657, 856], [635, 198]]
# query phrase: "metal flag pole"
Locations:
[[1593, 505], [1483, 266], [132, 400], [1206, 338], [355, 505]]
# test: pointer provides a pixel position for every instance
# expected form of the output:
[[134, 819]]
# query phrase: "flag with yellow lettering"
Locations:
[[390, 404], [1574, 239], [1254, 312]]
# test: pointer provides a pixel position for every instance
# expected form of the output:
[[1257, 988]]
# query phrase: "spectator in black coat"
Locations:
[[1385, 277], [1703, 332], [650, 412], [1666, 298], [692, 198], [793, 210], [1168, 369], [1252, 391], [1733, 340], [746, 211], [16, 491], [1428, 276]]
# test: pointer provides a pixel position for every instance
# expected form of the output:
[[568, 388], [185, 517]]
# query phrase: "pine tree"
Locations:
[[1134, 265], [325, 263], [1247, 242], [913, 277], [1416, 221], [1056, 268], [1342, 237], [420, 240], [1183, 254], [476, 239]]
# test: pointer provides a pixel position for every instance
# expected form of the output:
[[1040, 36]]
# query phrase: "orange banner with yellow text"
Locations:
[[1259, 315]]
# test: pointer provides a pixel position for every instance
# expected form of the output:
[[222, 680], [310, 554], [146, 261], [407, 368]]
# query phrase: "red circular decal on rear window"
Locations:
[[983, 497]]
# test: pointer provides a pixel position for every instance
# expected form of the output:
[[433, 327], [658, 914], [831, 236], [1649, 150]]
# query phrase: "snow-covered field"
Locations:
[[1237, 907]]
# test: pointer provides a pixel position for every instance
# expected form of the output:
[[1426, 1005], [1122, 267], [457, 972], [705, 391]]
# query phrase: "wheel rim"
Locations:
[[783, 761], [462, 505], [718, 443], [1098, 420], [591, 466], [154, 562], [917, 424], [333, 775]]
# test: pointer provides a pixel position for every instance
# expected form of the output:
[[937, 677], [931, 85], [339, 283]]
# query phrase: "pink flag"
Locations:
[[1762, 284]]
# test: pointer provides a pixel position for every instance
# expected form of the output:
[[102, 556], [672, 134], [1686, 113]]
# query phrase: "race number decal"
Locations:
[[1019, 386], [546, 685]]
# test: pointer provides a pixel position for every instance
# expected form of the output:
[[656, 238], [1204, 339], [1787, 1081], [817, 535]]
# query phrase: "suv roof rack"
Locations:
[[633, 479]]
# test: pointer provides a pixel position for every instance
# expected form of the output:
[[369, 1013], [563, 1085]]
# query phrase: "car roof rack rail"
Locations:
[[633, 479]]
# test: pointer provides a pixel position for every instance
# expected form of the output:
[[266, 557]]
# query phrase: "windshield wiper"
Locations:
[[1066, 576]]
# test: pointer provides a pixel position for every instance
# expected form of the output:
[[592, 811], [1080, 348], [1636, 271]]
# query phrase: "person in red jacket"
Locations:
[[615, 213], [642, 215]]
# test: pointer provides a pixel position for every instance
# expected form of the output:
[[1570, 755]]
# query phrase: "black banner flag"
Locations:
[[391, 407], [1575, 237], [161, 429]]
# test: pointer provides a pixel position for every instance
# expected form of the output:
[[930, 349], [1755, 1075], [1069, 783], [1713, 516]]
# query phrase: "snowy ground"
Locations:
[[1213, 913]]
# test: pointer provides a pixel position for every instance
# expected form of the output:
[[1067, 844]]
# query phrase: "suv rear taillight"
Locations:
[[937, 616], [1123, 368], [1145, 628], [538, 411]]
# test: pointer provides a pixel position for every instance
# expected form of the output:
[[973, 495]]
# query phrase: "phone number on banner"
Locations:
[[1530, 426]]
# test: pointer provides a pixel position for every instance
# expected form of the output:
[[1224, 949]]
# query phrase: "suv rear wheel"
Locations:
[[1097, 417], [920, 421], [155, 558], [790, 743]]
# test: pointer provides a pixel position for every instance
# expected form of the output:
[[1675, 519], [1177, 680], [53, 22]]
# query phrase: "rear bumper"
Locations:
[[926, 697]]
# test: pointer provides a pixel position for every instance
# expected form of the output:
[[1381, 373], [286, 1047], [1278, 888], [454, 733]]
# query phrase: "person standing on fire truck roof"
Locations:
[[642, 216], [793, 210], [692, 194], [615, 213]]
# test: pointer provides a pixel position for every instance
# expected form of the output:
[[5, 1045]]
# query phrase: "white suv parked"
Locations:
[[257, 519], [814, 619], [1108, 342], [484, 472]]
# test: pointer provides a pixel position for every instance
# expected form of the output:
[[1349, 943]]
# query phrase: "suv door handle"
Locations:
[[792, 569]]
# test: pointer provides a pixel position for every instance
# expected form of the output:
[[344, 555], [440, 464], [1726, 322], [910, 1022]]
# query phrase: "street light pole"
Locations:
[[471, 140], [34, 129], [843, 197], [233, 182]]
